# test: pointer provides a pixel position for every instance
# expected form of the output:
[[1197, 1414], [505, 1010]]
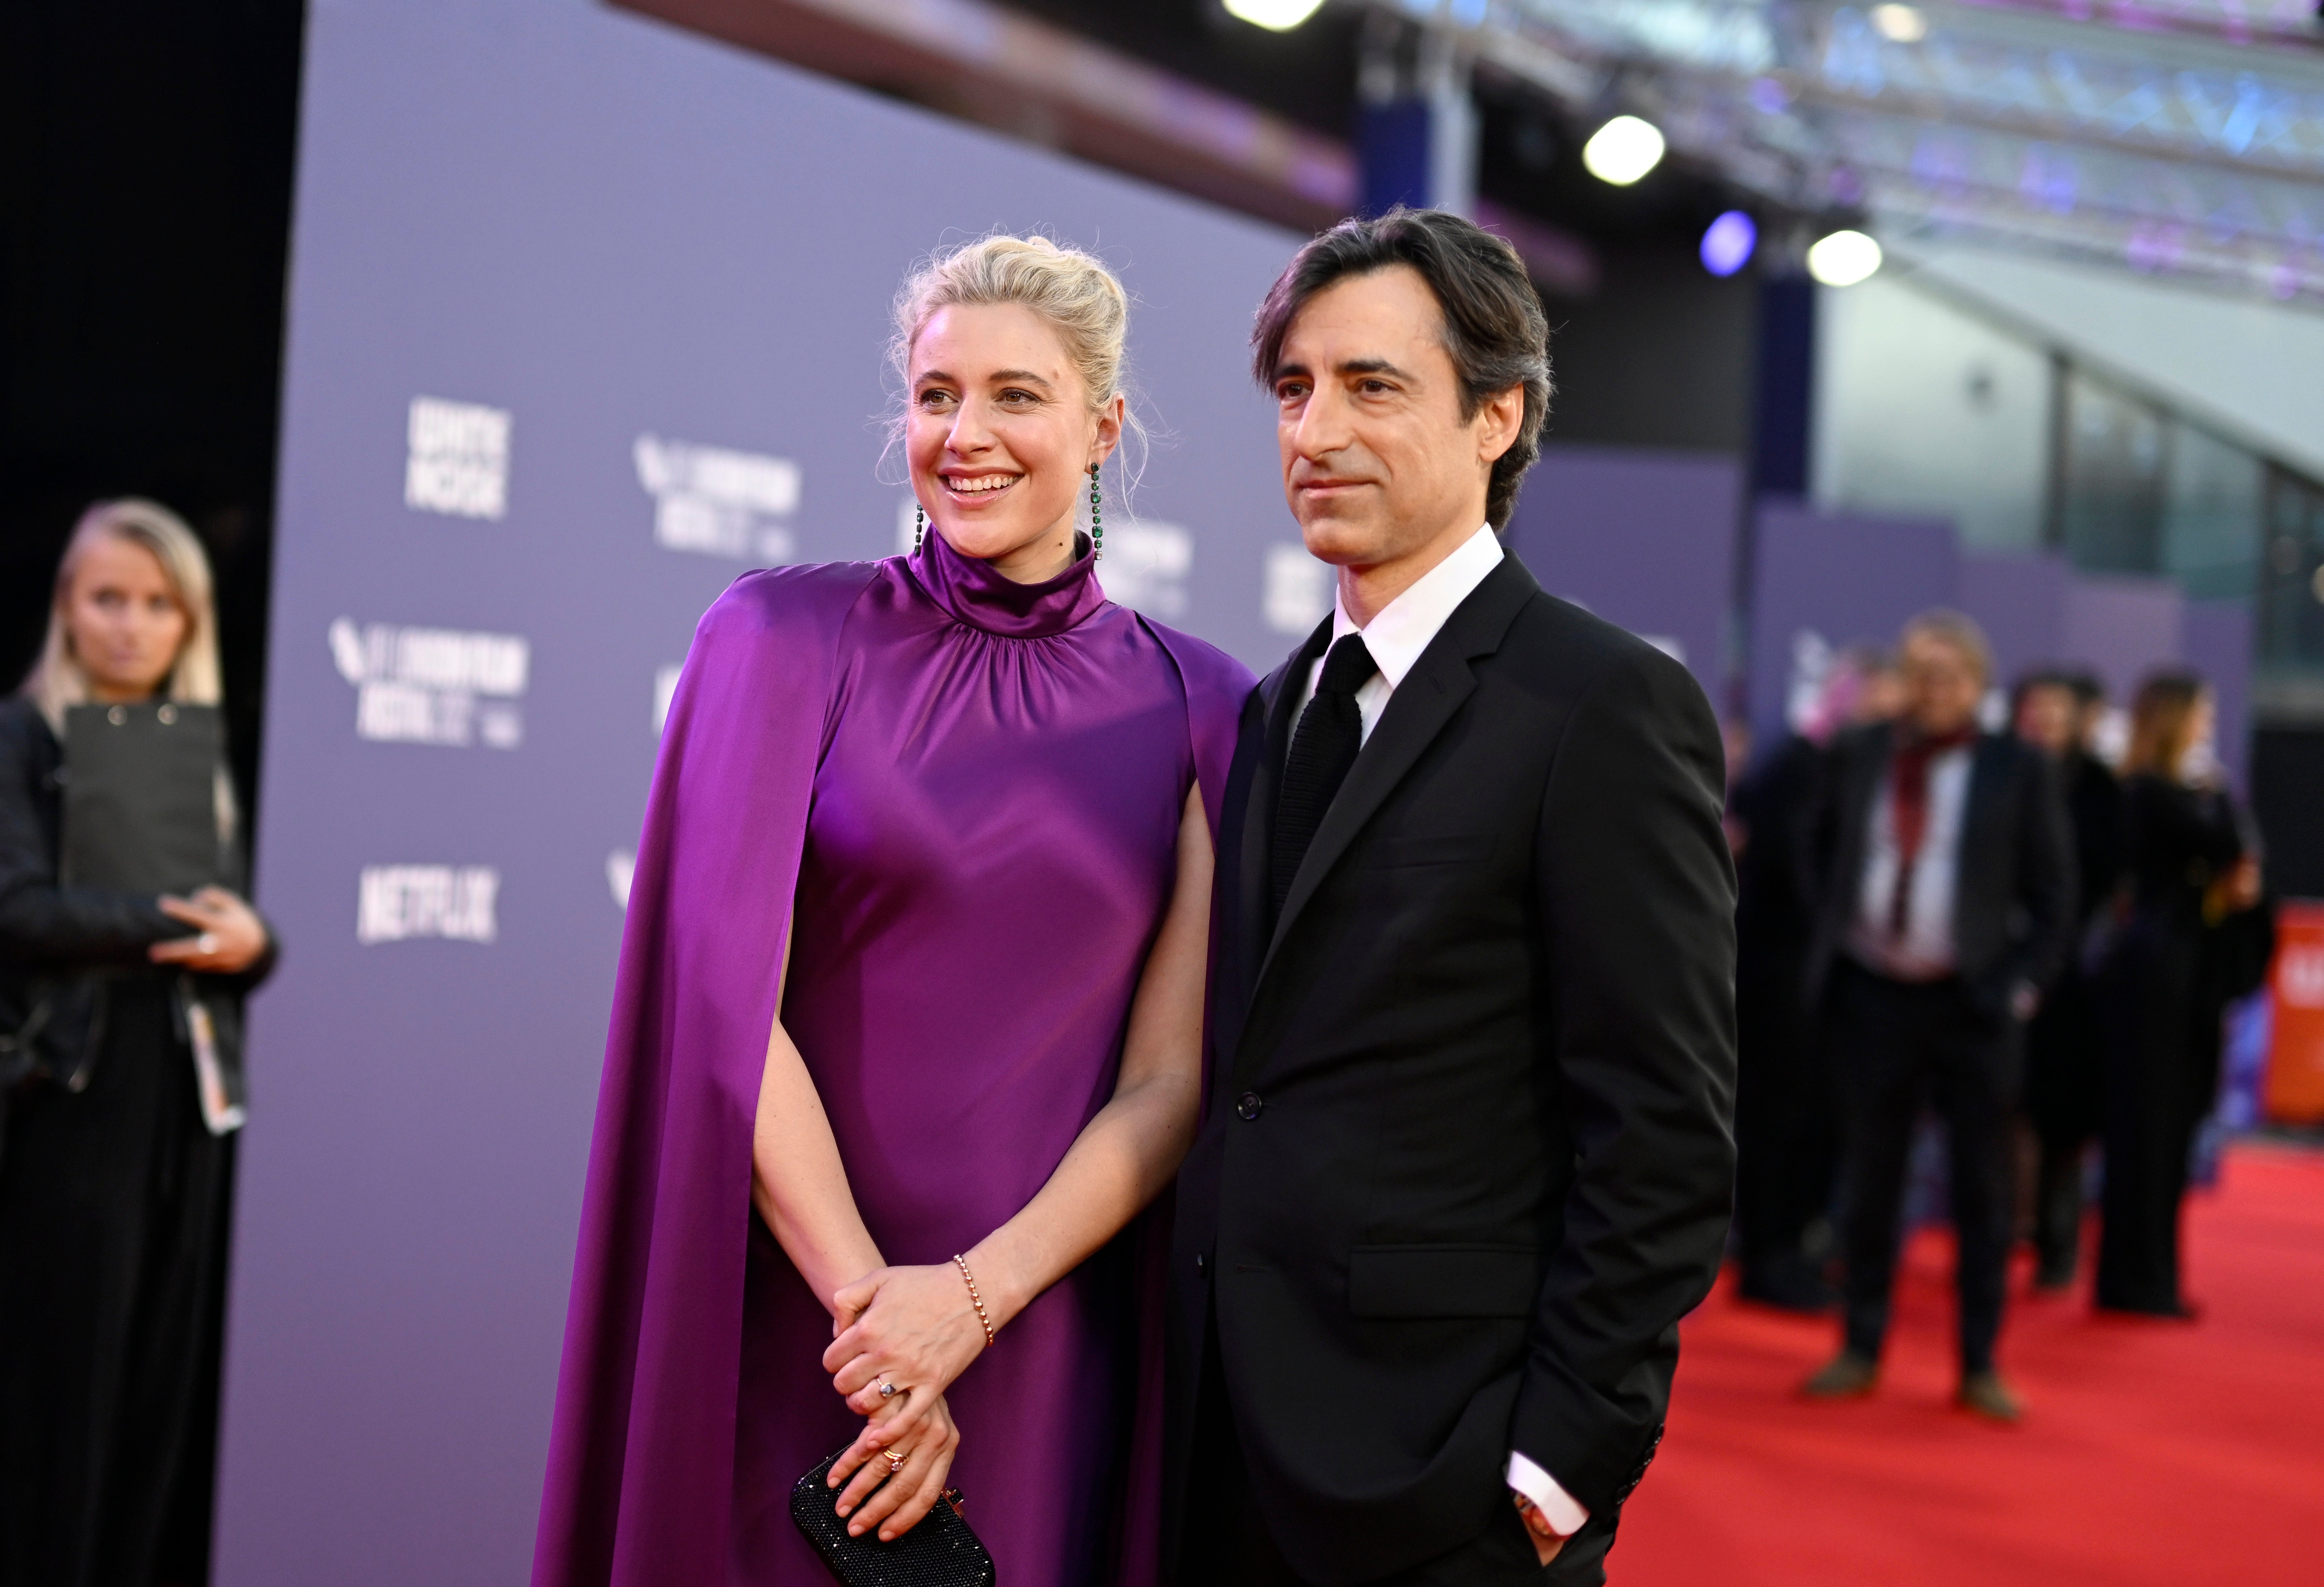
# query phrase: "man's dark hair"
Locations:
[[2040, 678], [1494, 327], [2078, 681]]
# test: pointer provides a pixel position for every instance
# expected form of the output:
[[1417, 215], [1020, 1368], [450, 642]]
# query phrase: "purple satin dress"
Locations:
[[972, 790], [994, 828]]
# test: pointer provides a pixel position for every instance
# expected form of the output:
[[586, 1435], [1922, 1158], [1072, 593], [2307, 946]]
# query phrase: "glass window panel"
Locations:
[[2291, 577], [2113, 483], [2212, 515]]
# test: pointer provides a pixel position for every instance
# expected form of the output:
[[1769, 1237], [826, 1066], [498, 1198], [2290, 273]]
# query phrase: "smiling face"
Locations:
[[1000, 436], [1379, 466], [123, 619]]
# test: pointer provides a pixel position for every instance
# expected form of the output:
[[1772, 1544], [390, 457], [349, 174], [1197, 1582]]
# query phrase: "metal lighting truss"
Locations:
[[2179, 136]]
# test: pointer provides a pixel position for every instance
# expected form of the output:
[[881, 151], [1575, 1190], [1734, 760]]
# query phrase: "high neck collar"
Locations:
[[981, 595]]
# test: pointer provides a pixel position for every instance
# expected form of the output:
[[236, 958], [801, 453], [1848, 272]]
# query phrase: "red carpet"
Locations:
[[2153, 1452]]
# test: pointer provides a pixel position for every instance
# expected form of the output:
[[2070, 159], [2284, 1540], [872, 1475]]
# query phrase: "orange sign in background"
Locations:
[[2295, 1058]]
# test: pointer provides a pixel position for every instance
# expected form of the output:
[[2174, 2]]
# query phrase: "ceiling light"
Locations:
[[1843, 258], [1622, 151], [1727, 246], [1900, 24], [1277, 16]]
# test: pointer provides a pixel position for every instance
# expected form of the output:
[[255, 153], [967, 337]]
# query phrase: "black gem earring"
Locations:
[[1097, 527], [919, 527]]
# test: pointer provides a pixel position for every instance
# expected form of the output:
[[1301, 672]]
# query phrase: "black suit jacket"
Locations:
[[2013, 892], [1469, 1152]]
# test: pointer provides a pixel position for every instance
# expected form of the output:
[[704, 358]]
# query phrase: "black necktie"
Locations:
[[1331, 731]]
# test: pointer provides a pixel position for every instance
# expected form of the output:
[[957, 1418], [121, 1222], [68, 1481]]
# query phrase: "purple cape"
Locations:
[[642, 1465]]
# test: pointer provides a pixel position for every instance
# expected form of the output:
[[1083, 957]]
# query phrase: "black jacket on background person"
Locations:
[[2013, 893], [113, 1205], [2064, 1069], [1786, 1123], [2177, 961], [1468, 1158], [2063, 1098], [55, 941]]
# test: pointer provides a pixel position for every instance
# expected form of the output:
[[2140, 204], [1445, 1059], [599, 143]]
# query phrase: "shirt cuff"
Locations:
[[1565, 1518]]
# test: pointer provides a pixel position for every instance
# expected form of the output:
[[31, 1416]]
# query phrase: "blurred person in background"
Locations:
[[2056, 713], [1786, 1123], [1945, 904], [2190, 938], [114, 1190]]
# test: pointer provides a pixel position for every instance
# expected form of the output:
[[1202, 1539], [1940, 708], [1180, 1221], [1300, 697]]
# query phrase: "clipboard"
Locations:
[[141, 797], [141, 816]]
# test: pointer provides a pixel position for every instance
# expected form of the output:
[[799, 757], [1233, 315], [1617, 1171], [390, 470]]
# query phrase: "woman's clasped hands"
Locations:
[[901, 1336]]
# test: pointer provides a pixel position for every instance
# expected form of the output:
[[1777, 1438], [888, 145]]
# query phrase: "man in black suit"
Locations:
[[2065, 1080], [1468, 1159], [1786, 1123], [1948, 904]]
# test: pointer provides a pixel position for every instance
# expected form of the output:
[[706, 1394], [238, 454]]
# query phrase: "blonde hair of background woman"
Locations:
[[1073, 291], [57, 681]]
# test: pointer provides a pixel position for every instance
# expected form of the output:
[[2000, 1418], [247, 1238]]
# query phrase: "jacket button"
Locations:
[[1200, 1264], [1248, 1106]]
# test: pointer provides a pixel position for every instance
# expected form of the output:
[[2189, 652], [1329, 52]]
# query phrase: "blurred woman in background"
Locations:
[[2065, 1065], [113, 1189], [2189, 939]]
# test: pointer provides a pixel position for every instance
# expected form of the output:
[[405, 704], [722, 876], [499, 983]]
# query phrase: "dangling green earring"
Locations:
[[1097, 528], [919, 527]]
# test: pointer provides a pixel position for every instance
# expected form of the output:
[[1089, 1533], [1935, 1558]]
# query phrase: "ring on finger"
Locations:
[[896, 1458], [888, 1391]]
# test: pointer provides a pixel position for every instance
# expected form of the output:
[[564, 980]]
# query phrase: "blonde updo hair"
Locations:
[[1082, 301]]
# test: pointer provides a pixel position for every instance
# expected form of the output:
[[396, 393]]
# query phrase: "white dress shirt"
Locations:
[[1399, 631], [1397, 634], [1926, 951]]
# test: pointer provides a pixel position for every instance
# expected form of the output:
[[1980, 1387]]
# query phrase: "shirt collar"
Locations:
[[1399, 631]]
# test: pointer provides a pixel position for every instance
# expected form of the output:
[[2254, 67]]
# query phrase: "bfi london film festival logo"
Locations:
[[1144, 566], [720, 502], [458, 463], [434, 685], [400, 903], [1297, 594]]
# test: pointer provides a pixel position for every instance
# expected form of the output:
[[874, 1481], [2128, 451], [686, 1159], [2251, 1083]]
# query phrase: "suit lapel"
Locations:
[[1988, 769], [1416, 712], [1864, 774], [1279, 697]]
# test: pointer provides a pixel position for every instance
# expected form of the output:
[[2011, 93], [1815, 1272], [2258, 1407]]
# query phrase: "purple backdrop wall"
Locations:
[[2216, 640], [1643, 538], [2020, 602], [587, 318], [2123, 627], [1835, 578]]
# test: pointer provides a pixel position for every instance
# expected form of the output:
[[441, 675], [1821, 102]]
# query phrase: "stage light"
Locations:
[[1843, 258], [1727, 246], [1900, 24], [1277, 16], [1622, 151]]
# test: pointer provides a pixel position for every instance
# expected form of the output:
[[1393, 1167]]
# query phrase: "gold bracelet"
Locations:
[[974, 1299]]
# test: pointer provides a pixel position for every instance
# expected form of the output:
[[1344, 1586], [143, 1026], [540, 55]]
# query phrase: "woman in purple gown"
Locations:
[[914, 967]]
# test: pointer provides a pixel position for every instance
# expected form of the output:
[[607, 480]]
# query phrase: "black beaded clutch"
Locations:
[[940, 1552]]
